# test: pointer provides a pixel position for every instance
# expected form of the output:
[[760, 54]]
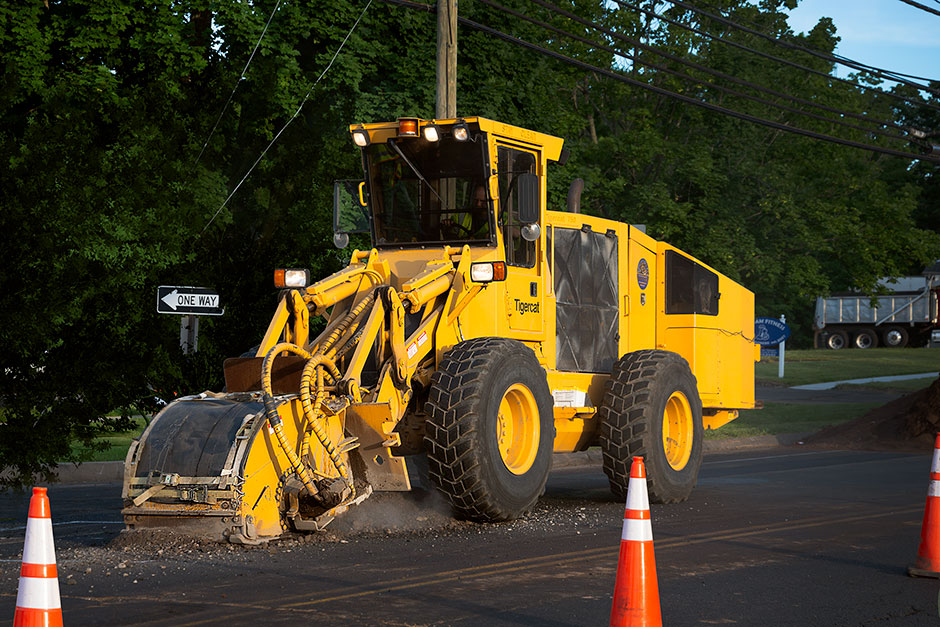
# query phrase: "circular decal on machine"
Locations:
[[642, 274]]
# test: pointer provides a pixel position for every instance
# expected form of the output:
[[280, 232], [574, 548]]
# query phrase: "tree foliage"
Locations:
[[122, 138]]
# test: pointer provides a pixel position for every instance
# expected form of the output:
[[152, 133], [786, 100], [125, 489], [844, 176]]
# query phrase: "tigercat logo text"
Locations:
[[524, 307]]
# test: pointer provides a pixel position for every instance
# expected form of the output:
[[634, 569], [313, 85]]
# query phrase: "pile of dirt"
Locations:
[[909, 423]]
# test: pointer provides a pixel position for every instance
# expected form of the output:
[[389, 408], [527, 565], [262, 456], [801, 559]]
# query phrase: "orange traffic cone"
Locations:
[[37, 600], [636, 593], [928, 554]]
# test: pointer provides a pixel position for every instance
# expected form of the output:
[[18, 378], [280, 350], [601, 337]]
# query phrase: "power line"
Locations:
[[921, 7], [845, 60], [789, 39], [771, 57], [792, 46], [292, 118], [237, 83], [702, 68], [665, 92]]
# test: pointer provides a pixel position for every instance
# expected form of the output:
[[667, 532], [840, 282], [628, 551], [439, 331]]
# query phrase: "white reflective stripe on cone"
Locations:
[[934, 488], [637, 498], [637, 530], [38, 593], [935, 464], [39, 547]]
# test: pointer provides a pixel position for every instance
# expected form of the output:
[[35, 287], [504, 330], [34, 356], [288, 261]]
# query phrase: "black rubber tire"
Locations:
[[837, 339], [464, 461], [895, 337], [865, 338], [631, 417]]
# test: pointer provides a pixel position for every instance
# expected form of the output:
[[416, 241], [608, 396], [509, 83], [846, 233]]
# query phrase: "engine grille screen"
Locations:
[[587, 304]]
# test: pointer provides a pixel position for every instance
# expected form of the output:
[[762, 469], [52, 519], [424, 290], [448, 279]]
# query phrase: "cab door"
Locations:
[[524, 289]]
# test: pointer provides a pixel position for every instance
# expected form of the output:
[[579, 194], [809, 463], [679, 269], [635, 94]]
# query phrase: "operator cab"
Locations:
[[428, 184]]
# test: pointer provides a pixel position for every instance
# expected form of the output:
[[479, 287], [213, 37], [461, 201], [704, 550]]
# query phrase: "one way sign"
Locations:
[[184, 300]]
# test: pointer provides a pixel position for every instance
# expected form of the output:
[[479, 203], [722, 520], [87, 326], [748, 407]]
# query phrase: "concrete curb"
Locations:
[[91, 472], [113, 472]]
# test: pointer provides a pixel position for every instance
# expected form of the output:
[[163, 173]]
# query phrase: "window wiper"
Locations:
[[395, 147]]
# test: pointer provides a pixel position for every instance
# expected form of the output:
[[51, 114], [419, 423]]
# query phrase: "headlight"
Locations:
[[291, 277], [432, 133], [361, 138], [486, 272], [461, 132]]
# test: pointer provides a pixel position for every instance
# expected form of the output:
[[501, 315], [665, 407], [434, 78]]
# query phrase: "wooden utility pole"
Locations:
[[446, 59]]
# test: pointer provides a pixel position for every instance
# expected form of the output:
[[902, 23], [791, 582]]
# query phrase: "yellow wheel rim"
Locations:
[[677, 430], [517, 429]]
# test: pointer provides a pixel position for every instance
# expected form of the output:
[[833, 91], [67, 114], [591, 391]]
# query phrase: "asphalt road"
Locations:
[[780, 537]]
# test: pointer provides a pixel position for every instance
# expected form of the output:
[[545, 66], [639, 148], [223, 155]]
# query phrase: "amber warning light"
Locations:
[[408, 127]]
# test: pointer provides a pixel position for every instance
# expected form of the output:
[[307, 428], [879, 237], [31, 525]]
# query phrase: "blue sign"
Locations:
[[642, 274], [770, 331]]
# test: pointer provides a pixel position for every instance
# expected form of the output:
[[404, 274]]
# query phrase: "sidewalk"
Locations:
[[828, 393]]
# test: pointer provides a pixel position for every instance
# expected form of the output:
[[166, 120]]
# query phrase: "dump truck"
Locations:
[[904, 313], [481, 332]]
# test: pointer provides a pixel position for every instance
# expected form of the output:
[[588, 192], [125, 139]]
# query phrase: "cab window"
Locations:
[[511, 163]]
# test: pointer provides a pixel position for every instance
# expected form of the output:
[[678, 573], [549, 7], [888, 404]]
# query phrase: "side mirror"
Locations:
[[350, 211], [531, 232], [528, 190]]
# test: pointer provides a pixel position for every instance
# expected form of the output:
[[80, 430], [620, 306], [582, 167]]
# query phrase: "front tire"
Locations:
[[490, 430], [895, 337], [652, 408]]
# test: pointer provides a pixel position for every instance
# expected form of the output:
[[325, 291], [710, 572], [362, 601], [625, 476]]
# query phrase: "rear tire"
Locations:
[[895, 337], [865, 338], [837, 339], [490, 430], [652, 408]]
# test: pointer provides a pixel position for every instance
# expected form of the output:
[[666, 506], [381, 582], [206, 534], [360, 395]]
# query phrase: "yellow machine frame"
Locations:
[[301, 445]]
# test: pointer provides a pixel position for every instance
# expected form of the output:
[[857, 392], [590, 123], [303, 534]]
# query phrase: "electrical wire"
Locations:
[[789, 39], [291, 119], [702, 68], [665, 92], [771, 57], [786, 44], [921, 6], [237, 83]]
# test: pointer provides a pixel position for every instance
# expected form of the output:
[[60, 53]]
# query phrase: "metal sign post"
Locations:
[[190, 303], [189, 334], [783, 348]]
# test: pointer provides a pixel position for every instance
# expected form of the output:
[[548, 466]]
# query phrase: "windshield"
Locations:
[[429, 192]]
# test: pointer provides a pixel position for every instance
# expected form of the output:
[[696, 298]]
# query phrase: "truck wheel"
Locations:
[[895, 337], [490, 430], [652, 408], [865, 338], [837, 339]]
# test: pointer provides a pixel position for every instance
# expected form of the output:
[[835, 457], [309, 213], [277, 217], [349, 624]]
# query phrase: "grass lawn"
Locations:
[[119, 443], [820, 365], [777, 418]]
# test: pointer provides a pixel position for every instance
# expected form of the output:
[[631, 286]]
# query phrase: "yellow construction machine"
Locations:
[[482, 330]]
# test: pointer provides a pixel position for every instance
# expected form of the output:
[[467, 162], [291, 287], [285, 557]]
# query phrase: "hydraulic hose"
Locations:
[[312, 413], [316, 363], [270, 410]]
